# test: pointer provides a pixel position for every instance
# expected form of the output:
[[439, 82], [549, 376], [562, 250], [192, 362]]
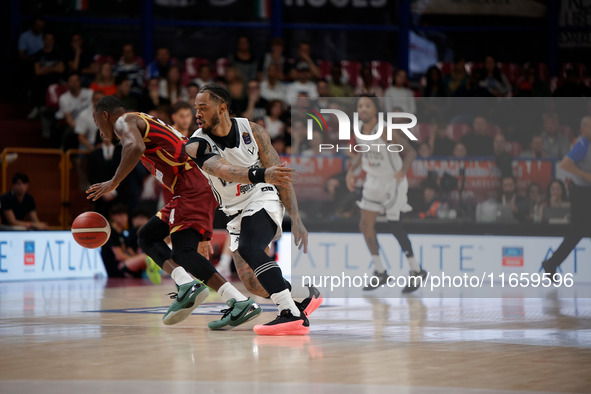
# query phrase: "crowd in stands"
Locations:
[[65, 78]]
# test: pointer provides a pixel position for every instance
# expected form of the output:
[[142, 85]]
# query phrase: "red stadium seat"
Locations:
[[220, 67], [493, 129], [382, 72], [100, 59], [445, 67], [52, 95], [324, 66], [191, 69], [351, 71], [456, 131], [516, 149], [511, 70], [422, 131]]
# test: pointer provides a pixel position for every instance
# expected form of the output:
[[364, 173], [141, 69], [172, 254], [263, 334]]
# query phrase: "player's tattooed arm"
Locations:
[[270, 158], [409, 153], [219, 167]]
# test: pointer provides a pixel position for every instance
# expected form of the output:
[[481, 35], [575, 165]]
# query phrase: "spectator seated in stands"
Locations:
[[105, 80], [304, 55], [29, 43], [494, 80], [302, 85], [152, 99], [532, 86], [204, 75], [440, 143], [272, 88], [124, 93], [503, 159], [275, 56], [71, 105], [368, 86], [158, 68], [556, 145], [398, 95], [427, 207], [273, 123], [424, 150], [435, 85], [182, 118], [535, 198], [556, 205], [48, 68], [244, 60], [572, 87], [472, 87], [336, 86], [460, 150], [536, 149], [129, 67], [324, 97], [85, 128], [101, 166], [457, 78], [237, 88], [18, 207], [120, 259], [257, 105], [171, 87], [80, 60], [517, 207], [341, 203], [478, 142]]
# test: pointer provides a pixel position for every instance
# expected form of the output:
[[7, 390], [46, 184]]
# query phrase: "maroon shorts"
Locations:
[[192, 205]]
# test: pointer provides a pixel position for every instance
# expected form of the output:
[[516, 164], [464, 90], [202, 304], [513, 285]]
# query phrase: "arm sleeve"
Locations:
[[579, 151], [204, 151]]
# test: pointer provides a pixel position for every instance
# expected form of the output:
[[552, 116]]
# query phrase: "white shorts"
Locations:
[[274, 208], [385, 196]]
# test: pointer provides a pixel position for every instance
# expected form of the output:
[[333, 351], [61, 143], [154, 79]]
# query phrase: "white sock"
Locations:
[[227, 292], [180, 276], [225, 261], [377, 262], [414, 266], [298, 293], [283, 301]]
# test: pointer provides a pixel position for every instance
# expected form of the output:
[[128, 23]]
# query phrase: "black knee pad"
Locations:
[[402, 237]]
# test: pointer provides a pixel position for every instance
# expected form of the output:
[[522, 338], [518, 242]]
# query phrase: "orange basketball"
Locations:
[[91, 230]]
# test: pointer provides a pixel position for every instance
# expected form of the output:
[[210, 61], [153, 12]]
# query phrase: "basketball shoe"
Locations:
[[415, 280], [153, 271], [310, 304], [239, 312], [190, 296], [382, 279], [285, 324], [549, 270]]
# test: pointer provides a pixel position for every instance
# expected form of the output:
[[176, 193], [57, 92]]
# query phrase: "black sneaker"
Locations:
[[549, 270], [383, 278], [285, 324], [310, 304], [415, 279]]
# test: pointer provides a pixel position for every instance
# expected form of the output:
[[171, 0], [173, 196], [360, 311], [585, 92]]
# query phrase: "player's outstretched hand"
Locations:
[[279, 175], [300, 234], [205, 249], [98, 189]]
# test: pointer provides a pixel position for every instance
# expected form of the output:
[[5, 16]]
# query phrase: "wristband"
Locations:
[[256, 175]]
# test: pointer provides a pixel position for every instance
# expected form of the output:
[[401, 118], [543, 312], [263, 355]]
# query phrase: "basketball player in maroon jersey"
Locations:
[[188, 217]]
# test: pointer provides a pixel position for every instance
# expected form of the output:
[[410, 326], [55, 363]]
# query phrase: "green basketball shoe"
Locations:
[[190, 296], [239, 312], [153, 271]]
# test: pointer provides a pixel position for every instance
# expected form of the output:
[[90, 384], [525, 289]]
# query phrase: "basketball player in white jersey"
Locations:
[[234, 153], [384, 191]]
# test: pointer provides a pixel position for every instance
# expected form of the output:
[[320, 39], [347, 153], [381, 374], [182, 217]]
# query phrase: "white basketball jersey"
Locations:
[[378, 161], [233, 196]]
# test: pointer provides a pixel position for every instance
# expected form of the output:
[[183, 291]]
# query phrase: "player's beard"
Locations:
[[215, 121]]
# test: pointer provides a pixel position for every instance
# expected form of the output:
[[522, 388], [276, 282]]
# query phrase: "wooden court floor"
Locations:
[[94, 336]]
